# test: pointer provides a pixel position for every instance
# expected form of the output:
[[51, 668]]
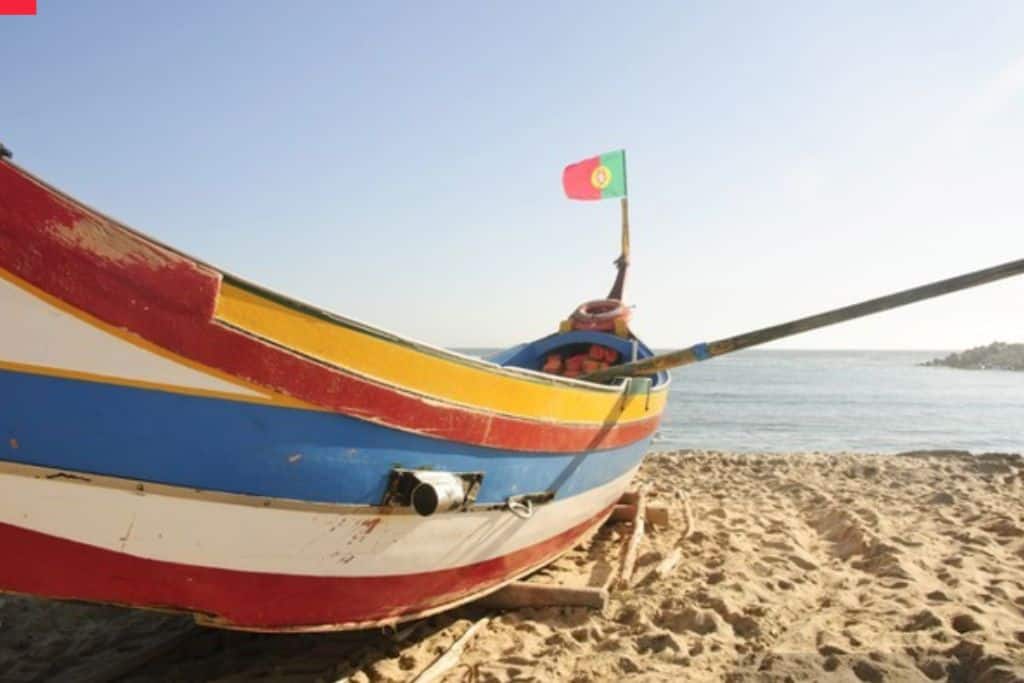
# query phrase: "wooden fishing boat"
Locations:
[[174, 437]]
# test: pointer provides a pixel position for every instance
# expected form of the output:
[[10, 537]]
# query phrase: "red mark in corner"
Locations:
[[17, 6]]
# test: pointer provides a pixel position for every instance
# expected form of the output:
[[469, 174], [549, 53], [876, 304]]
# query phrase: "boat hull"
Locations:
[[173, 437], [130, 477], [246, 563]]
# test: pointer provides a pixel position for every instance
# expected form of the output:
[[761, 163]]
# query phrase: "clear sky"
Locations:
[[400, 163]]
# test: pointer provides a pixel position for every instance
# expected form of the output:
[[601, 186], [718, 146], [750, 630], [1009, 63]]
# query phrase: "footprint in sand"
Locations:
[[866, 671], [965, 623], [689, 619], [922, 621], [801, 562]]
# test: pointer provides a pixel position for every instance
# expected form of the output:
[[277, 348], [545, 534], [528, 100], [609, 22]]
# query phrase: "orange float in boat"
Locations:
[[553, 364], [599, 314]]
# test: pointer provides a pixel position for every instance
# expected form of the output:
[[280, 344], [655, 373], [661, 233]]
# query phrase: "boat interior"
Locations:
[[576, 353]]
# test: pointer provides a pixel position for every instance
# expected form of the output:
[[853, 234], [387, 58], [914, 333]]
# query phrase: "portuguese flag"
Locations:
[[596, 178]]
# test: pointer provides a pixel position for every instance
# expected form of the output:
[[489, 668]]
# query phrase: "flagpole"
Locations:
[[624, 203], [623, 261]]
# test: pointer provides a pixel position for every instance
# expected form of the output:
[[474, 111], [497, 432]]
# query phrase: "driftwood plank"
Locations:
[[666, 566], [628, 498], [688, 519], [450, 659], [663, 569], [656, 514], [522, 594], [633, 545]]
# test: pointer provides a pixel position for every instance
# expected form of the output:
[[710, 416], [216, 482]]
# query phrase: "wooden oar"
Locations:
[[704, 351]]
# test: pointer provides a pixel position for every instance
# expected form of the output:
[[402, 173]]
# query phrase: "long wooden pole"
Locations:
[[703, 351], [624, 204], [623, 261]]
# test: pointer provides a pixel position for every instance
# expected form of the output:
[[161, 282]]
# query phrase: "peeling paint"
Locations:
[[295, 457], [14, 443], [127, 533], [65, 475]]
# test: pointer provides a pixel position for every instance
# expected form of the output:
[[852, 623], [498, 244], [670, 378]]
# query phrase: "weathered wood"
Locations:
[[666, 566], [663, 568], [700, 352], [658, 515], [687, 519], [622, 513], [633, 545], [603, 574], [398, 635], [450, 659], [628, 498], [655, 514], [523, 594]]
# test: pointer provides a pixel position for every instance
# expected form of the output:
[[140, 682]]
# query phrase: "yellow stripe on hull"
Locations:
[[426, 373]]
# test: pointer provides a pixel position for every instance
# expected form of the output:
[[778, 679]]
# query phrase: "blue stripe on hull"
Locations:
[[270, 451]]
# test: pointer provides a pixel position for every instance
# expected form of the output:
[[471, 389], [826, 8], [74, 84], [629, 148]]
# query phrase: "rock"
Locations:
[[995, 356]]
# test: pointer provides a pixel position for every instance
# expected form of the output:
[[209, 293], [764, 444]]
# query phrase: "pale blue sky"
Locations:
[[399, 162]]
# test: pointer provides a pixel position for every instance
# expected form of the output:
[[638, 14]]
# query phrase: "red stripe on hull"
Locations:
[[48, 566], [126, 281]]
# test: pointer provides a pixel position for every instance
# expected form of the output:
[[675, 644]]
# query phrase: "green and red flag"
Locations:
[[598, 177]]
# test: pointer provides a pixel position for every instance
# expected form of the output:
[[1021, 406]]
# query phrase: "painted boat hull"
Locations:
[[240, 564], [174, 438]]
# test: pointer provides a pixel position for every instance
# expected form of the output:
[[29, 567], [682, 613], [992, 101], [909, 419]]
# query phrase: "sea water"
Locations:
[[864, 401], [878, 401]]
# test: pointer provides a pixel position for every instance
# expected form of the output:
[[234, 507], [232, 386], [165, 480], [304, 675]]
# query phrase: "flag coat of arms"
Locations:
[[598, 177]]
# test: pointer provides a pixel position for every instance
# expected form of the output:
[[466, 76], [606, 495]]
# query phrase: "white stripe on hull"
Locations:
[[214, 533], [45, 336]]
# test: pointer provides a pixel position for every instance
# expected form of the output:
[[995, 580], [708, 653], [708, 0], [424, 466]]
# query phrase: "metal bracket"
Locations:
[[522, 505], [402, 482]]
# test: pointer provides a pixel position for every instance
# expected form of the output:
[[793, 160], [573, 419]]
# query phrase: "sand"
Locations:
[[801, 567]]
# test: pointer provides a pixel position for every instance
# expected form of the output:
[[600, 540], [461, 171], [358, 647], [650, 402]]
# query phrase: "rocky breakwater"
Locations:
[[995, 356]]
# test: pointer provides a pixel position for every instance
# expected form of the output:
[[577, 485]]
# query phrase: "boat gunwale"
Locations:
[[301, 306], [266, 395]]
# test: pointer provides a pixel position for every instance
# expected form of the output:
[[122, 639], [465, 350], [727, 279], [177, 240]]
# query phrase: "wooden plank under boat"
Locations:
[[174, 437]]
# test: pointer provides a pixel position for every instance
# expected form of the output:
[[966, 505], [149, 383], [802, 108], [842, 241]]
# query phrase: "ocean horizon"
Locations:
[[842, 400]]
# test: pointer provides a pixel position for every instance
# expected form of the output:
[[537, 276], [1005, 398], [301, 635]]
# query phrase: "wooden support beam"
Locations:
[[688, 518], [656, 514], [633, 545], [398, 635], [699, 352], [450, 659], [628, 498], [520, 594], [666, 566], [663, 569]]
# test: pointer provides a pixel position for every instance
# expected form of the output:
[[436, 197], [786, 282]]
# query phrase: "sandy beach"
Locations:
[[799, 567]]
